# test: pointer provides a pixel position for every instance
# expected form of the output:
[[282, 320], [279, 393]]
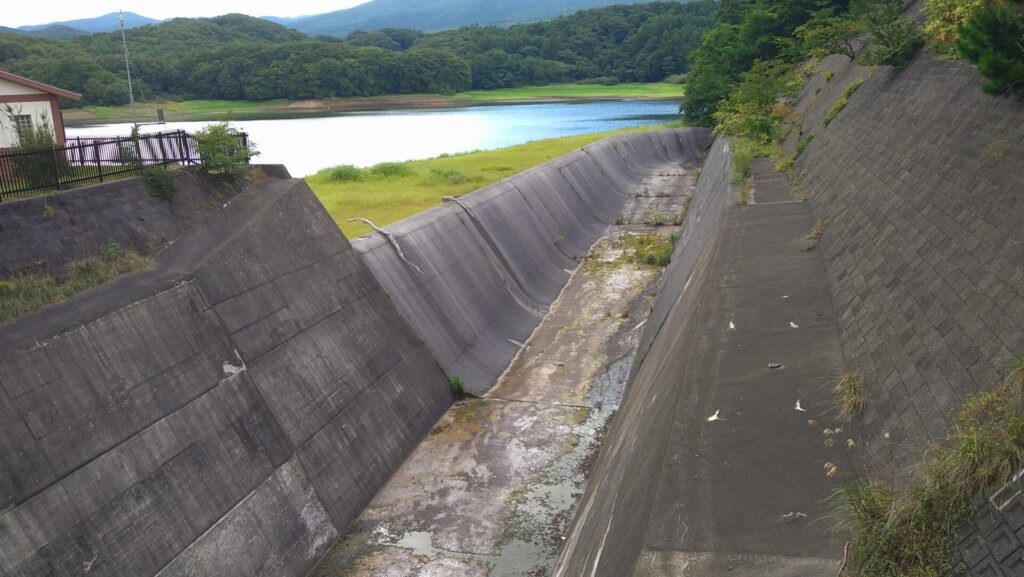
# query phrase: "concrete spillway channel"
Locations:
[[494, 486]]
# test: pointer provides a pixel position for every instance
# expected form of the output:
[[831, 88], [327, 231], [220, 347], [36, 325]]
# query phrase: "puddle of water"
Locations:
[[607, 389]]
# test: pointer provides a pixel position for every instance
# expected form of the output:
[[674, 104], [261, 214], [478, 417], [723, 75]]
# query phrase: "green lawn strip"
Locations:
[[385, 199]]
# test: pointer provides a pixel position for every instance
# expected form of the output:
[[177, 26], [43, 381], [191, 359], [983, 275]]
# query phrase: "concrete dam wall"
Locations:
[[476, 276], [232, 410], [228, 413]]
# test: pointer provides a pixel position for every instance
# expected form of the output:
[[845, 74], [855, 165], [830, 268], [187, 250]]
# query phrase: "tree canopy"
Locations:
[[240, 57]]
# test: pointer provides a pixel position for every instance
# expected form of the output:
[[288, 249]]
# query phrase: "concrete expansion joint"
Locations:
[[542, 403], [391, 239]]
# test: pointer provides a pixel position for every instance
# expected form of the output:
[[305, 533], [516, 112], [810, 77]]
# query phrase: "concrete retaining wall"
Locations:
[[921, 175], [231, 420], [479, 274], [46, 232], [607, 535]]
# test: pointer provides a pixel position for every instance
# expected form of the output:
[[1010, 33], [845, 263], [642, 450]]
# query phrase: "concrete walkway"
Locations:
[[755, 449]]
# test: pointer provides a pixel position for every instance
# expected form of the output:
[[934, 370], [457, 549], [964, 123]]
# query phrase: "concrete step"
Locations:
[[769, 186]]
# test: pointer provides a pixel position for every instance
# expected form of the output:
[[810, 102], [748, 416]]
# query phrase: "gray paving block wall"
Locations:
[[46, 232], [922, 176], [231, 420]]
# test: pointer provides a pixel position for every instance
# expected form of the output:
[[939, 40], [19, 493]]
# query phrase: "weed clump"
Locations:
[[458, 388], [816, 233], [652, 249], [913, 532]]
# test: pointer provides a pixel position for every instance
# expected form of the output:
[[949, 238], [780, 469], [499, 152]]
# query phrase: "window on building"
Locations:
[[23, 122]]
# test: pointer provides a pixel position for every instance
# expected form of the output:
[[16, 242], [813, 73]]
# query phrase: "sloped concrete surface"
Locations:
[[479, 274], [228, 413]]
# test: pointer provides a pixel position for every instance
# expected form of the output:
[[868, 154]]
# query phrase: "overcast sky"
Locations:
[[18, 13]]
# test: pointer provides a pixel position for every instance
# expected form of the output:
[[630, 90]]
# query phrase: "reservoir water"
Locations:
[[306, 145]]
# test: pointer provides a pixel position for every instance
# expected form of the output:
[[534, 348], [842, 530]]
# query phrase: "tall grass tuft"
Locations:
[[849, 395]]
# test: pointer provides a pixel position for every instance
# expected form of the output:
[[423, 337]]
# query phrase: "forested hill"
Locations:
[[433, 15], [244, 58]]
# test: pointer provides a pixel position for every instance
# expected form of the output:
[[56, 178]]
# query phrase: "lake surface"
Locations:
[[306, 145]]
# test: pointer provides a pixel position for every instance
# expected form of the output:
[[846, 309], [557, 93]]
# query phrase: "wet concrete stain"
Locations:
[[493, 488]]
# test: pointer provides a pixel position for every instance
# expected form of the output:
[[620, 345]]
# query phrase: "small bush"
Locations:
[[458, 388], [943, 21], [222, 150], [6, 287], [391, 169], [828, 75], [346, 173], [159, 182]]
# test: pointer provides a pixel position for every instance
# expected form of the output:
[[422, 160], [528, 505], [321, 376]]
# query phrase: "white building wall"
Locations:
[[7, 88], [40, 112]]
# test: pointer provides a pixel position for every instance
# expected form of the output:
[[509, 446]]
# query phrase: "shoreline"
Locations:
[[243, 110]]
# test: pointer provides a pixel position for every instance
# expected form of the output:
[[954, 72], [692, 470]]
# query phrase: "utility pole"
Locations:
[[127, 68]]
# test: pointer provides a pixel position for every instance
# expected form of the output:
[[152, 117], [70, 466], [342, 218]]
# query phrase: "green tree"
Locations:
[[826, 34], [896, 37], [994, 40]]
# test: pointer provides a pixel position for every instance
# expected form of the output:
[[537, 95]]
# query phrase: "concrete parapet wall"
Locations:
[[478, 275], [233, 419]]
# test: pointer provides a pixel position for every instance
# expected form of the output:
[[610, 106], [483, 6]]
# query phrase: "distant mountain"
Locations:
[[105, 23], [432, 15], [51, 32]]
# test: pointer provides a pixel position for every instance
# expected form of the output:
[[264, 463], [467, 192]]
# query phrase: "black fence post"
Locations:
[[99, 163]]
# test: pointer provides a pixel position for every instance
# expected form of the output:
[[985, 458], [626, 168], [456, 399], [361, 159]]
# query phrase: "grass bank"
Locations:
[[393, 191], [654, 90], [194, 110], [23, 294]]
